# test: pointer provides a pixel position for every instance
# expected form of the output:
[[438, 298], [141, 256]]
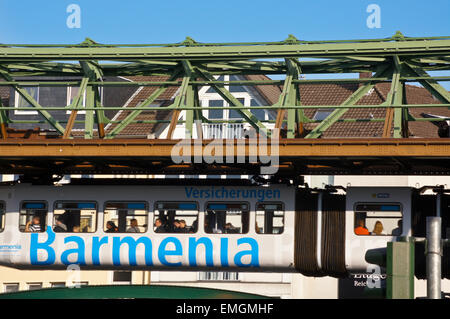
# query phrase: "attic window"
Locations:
[[322, 114]]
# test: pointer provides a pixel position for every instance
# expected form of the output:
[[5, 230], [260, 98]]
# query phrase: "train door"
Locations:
[[374, 217]]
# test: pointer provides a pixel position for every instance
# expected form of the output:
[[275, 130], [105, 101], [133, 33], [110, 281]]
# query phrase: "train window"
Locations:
[[227, 218], [378, 219], [2, 216], [75, 217], [32, 216], [176, 217], [269, 218], [125, 217]]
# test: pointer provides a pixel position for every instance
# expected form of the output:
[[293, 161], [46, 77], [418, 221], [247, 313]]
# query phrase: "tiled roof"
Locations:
[[335, 94]]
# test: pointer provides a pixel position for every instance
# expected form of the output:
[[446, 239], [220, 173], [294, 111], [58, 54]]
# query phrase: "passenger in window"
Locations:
[[76, 229], [378, 228], [257, 229], [182, 228], [133, 226], [111, 227], [399, 230], [175, 226], [361, 228], [194, 227], [230, 229], [34, 225], [60, 226], [159, 227]]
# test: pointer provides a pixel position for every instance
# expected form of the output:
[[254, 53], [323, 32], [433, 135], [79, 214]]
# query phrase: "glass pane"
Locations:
[[378, 219], [235, 114], [269, 218], [75, 217], [34, 286], [33, 91], [215, 114], [227, 218], [236, 88], [321, 115], [259, 113], [130, 217], [11, 288], [32, 217], [176, 217]]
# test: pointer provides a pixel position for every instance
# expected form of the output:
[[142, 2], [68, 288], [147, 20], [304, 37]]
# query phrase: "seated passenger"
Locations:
[[175, 226], [378, 228], [230, 229], [111, 227], [60, 226], [399, 230], [182, 228], [361, 229], [159, 227], [76, 229], [133, 226], [34, 225]]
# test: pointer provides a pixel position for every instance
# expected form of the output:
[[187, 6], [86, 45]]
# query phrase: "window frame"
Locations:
[[126, 202], [184, 202], [224, 202], [76, 201], [33, 201], [17, 97], [284, 216], [376, 203]]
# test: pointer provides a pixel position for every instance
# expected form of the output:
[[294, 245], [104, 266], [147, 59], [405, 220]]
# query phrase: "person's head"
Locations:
[[360, 223], [76, 229], [176, 223], [158, 222], [59, 220], [36, 220], [134, 222], [182, 223], [228, 225], [399, 223], [110, 225], [378, 228]]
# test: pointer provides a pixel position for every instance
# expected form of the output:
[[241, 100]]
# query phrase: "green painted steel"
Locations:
[[191, 65], [400, 270], [130, 291]]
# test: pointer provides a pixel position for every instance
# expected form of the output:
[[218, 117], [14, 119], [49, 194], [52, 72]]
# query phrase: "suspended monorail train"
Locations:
[[276, 228]]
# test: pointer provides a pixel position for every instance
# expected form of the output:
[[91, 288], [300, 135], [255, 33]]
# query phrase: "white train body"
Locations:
[[246, 228]]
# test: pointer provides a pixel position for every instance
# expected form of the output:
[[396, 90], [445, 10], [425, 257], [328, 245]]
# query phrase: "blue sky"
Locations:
[[148, 21]]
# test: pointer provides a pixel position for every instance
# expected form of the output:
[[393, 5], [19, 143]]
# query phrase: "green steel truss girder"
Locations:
[[345, 106], [20, 90], [139, 108], [190, 65], [225, 52], [77, 103], [229, 98]]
